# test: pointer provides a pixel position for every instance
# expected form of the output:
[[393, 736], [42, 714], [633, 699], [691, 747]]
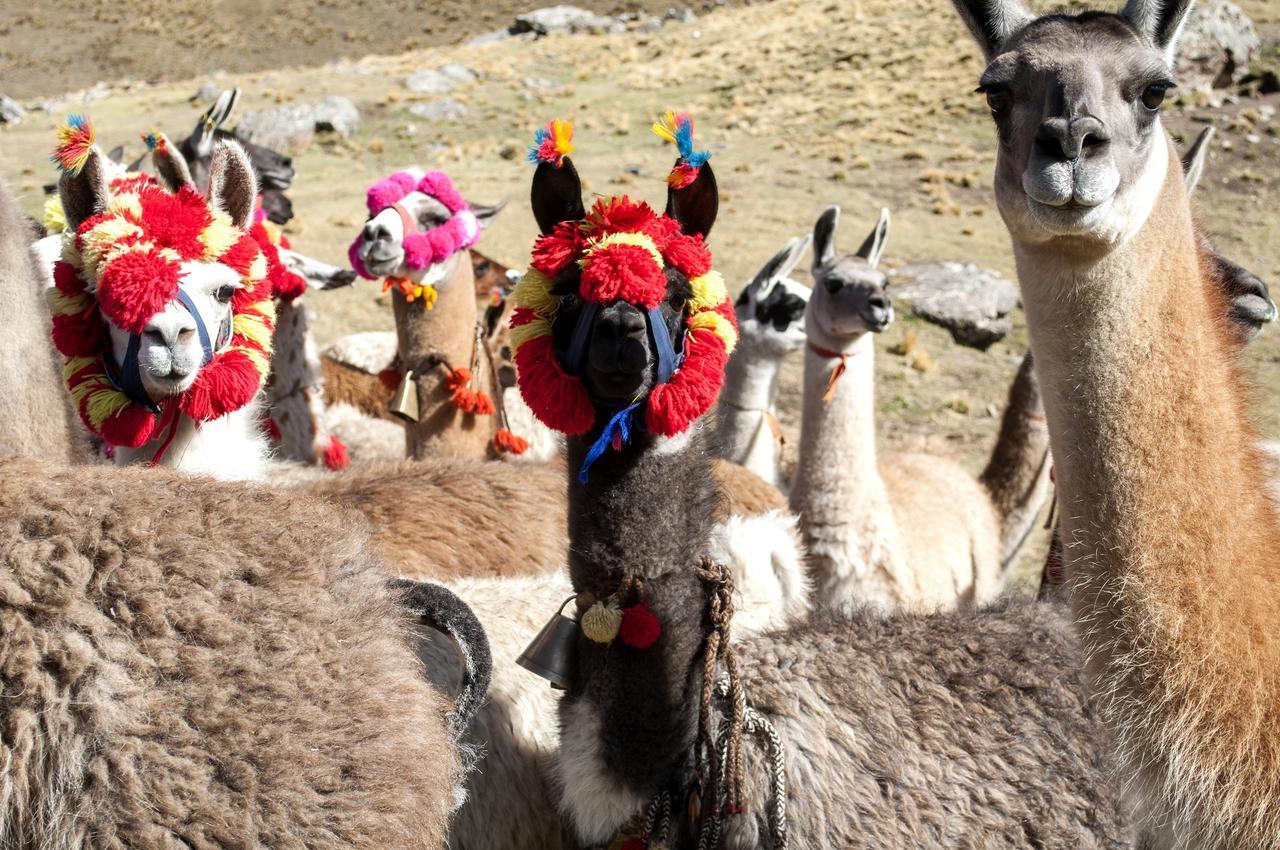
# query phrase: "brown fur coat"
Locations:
[[188, 663]]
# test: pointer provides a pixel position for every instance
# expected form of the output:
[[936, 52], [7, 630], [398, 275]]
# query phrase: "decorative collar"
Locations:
[[838, 372]]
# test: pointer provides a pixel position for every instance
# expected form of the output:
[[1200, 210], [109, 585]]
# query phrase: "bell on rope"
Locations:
[[404, 404], [550, 655]]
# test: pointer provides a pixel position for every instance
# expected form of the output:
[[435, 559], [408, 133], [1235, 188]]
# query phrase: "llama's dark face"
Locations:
[[621, 360], [616, 350]]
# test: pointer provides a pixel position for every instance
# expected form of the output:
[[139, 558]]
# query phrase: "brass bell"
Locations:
[[550, 655], [404, 404]]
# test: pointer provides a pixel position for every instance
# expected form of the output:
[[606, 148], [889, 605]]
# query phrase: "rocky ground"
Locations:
[[864, 103]]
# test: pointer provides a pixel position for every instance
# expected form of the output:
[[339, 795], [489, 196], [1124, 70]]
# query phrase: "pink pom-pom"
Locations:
[[389, 191]]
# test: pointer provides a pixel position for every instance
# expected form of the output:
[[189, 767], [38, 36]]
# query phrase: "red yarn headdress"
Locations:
[[124, 265], [622, 247]]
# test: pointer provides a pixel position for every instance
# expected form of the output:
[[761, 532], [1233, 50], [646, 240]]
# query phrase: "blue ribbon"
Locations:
[[129, 380], [619, 423]]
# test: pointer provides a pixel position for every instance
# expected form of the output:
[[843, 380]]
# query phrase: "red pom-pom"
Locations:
[[391, 378], [78, 334], [620, 215], [640, 627], [67, 279], [228, 383], [673, 406], [241, 254], [635, 844], [689, 254], [623, 271], [555, 250], [558, 400], [131, 427], [335, 456], [135, 286], [175, 221]]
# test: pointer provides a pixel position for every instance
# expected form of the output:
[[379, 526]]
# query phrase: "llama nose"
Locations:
[[1064, 138], [172, 332], [620, 340], [620, 323]]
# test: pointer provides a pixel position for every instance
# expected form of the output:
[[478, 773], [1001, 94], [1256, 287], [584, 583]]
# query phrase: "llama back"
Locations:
[[165, 685], [960, 729]]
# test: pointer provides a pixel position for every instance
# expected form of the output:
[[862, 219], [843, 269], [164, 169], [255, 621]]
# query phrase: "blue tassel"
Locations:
[[620, 424]]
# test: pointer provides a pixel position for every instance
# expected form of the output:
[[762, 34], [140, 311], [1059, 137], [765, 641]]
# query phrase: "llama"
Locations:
[[909, 529], [418, 224], [183, 295], [1170, 534], [157, 625], [952, 729], [769, 310]]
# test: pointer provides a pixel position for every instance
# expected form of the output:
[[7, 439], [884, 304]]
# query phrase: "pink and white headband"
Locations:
[[422, 249]]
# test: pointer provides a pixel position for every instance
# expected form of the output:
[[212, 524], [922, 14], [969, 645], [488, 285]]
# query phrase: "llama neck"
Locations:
[[232, 448], [37, 417], [629, 720], [295, 393], [743, 433], [444, 333], [845, 517], [1170, 540]]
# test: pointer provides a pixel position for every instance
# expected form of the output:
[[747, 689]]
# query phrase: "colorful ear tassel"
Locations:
[[677, 128], [75, 141], [552, 143]]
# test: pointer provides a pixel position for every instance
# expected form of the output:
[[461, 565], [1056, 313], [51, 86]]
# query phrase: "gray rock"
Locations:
[[430, 82], [11, 111], [285, 128], [648, 24], [207, 93], [1217, 43], [683, 15], [968, 301], [439, 110], [564, 19], [338, 115], [459, 72], [488, 38], [540, 84]]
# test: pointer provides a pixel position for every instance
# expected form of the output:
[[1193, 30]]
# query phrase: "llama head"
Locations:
[[771, 307], [1076, 101], [849, 296], [620, 307], [417, 223], [162, 302]]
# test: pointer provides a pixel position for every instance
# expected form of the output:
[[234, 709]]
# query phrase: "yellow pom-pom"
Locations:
[[601, 622], [53, 218]]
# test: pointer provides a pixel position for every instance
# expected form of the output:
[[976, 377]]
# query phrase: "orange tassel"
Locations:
[[466, 399], [505, 441]]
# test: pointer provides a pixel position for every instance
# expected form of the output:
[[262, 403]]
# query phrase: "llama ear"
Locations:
[[204, 135], [824, 237], [84, 193], [783, 262], [1194, 159], [171, 165], [695, 206], [232, 186], [991, 22], [116, 154], [873, 246], [556, 195], [1159, 21], [486, 214]]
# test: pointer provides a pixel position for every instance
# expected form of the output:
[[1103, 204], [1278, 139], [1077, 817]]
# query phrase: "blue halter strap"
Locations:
[[129, 380]]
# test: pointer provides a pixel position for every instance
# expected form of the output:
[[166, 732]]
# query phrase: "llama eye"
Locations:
[[997, 98], [1154, 95], [224, 293]]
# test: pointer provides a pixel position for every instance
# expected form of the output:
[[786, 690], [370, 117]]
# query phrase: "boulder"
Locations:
[[459, 72], [338, 115], [569, 19], [430, 82], [285, 128], [968, 301], [11, 112], [439, 110], [1218, 41]]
